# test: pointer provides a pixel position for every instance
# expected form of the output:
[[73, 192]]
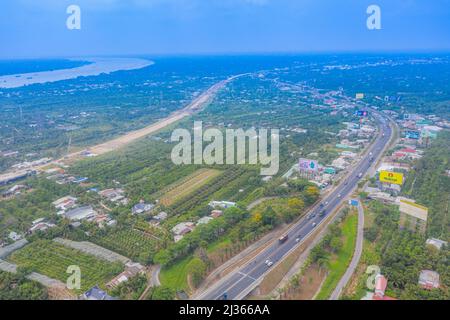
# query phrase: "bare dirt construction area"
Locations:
[[187, 185]]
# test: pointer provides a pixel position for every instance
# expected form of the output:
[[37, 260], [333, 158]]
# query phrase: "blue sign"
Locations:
[[353, 203], [362, 113], [412, 135]]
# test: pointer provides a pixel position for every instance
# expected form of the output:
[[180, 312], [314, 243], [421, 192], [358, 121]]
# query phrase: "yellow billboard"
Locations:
[[391, 177]]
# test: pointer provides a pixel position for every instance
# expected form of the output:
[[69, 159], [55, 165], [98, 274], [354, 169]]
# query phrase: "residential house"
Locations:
[[222, 204], [96, 293], [80, 213], [438, 244], [216, 213], [181, 229], [429, 279], [204, 220], [65, 203], [142, 207], [132, 269]]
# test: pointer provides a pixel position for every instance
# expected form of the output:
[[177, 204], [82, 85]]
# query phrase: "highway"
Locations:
[[238, 284]]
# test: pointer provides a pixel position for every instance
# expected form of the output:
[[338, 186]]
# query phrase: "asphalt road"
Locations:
[[241, 282]]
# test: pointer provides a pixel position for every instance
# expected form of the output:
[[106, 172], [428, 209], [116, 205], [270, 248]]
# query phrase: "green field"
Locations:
[[175, 276], [339, 264], [131, 243], [53, 259]]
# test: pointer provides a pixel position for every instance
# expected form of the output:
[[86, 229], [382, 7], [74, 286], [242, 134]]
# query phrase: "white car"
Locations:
[[269, 263], [314, 224], [297, 240]]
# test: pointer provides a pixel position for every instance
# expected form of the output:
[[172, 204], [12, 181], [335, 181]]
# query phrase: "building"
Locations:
[[14, 236], [15, 176], [429, 279], [65, 203], [204, 220], [40, 225], [181, 229], [131, 270], [413, 216], [216, 213], [438, 244], [142, 207], [96, 293], [222, 204], [379, 290], [113, 195], [80, 213], [161, 216]]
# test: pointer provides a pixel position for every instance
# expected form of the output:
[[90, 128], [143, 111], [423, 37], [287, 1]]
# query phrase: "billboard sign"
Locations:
[[391, 177], [308, 165], [362, 113]]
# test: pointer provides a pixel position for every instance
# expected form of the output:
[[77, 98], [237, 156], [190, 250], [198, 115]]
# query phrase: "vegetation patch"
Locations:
[[53, 259]]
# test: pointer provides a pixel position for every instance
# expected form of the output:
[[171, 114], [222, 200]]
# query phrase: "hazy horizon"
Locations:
[[37, 29]]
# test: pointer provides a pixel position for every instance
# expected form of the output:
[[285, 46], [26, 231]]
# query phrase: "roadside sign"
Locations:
[[391, 177], [353, 202], [308, 165]]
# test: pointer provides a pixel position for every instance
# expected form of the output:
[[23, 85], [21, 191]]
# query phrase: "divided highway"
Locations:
[[238, 284]]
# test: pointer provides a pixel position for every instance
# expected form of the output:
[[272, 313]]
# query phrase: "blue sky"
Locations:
[[37, 28]]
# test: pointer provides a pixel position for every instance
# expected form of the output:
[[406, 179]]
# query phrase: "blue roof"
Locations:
[[96, 293]]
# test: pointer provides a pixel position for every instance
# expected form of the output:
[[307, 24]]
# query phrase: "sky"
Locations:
[[37, 28]]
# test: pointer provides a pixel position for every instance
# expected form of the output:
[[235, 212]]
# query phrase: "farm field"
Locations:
[[52, 259], [181, 189], [132, 243]]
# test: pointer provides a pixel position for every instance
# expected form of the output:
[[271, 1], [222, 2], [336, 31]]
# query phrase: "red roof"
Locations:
[[408, 150], [380, 283], [376, 297]]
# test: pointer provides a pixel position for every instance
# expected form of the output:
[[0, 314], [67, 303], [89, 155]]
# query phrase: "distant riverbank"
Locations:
[[96, 67]]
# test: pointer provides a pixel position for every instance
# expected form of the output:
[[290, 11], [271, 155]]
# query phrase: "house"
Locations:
[[379, 290], [132, 269], [181, 229], [141, 207], [96, 293], [114, 195], [204, 220], [14, 236], [80, 213], [40, 225], [429, 279], [222, 204], [216, 213], [14, 190], [65, 203], [438, 244], [161, 216]]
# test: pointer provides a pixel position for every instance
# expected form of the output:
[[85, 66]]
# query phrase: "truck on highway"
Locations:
[[283, 239]]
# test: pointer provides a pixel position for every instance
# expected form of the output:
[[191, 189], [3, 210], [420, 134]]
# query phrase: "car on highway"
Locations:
[[283, 239], [322, 213], [298, 240], [268, 263], [314, 224], [339, 195]]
